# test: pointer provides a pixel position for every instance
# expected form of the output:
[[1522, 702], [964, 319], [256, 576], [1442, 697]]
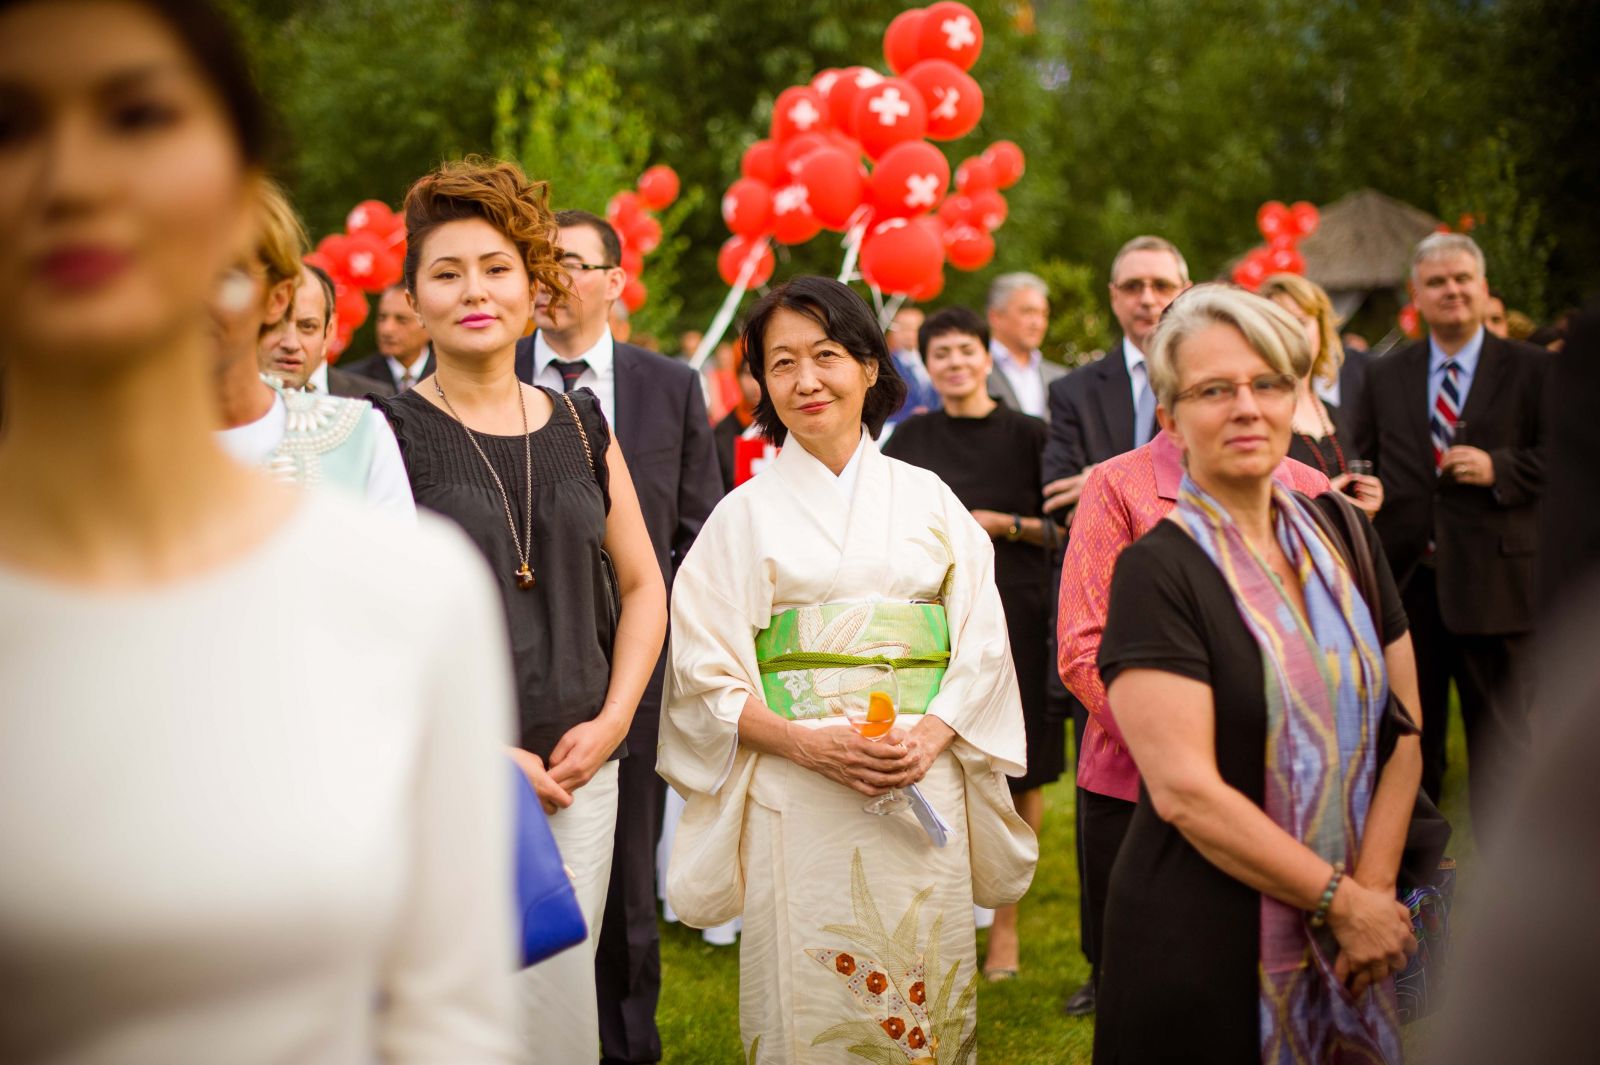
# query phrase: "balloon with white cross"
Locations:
[[888, 113], [909, 180]]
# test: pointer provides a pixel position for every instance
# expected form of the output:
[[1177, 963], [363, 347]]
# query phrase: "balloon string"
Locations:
[[852, 242], [887, 311], [730, 304]]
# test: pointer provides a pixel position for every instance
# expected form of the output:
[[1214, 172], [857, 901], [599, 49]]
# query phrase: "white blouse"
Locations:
[[261, 815]]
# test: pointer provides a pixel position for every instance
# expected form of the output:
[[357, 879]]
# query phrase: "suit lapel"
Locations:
[[1116, 398], [1000, 388], [1486, 382], [1414, 390], [627, 392]]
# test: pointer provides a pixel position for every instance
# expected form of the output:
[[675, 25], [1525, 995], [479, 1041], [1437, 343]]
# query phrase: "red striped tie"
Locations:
[[1446, 412], [570, 372]]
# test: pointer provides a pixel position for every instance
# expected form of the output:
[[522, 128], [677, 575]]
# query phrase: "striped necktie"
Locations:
[[570, 372], [1446, 411]]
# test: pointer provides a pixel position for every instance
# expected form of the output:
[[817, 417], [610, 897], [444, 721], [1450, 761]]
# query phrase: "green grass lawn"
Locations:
[[1019, 1021]]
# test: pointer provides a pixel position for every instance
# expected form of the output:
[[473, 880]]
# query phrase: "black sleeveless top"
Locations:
[[555, 627]]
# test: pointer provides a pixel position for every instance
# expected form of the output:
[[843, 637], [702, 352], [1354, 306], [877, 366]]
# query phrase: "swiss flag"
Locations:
[[751, 455]]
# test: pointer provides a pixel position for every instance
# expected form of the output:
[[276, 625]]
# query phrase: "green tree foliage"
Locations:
[[1175, 117]]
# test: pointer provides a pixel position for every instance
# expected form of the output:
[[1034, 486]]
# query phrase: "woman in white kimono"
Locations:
[[858, 940]]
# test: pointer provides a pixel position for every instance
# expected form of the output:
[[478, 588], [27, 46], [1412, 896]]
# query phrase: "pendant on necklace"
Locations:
[[524, 577]]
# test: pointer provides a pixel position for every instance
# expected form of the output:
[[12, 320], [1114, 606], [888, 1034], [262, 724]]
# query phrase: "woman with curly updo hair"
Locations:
[[535, 478]]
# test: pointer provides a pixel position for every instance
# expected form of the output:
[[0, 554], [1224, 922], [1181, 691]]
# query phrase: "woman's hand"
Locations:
[[1374, 934], [924, 741], [1368, 494], [552, 796], [871, 767], [583, 750]]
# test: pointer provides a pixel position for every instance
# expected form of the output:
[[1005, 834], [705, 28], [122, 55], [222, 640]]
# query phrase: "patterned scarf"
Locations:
[[1325, 689]]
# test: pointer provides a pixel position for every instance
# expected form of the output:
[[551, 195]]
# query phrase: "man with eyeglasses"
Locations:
[[1455, 426], [1098, 412], [657, 410]]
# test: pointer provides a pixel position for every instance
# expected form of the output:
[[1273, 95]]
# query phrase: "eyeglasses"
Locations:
[[1136, 285], [574, 263], [1267, 388]]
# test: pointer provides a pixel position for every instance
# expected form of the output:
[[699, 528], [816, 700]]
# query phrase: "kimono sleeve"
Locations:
[[979, 697]]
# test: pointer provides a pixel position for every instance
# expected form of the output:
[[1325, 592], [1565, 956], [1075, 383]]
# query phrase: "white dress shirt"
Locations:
[[600, 377], [1138, 372], [1026, 381], [398, 369]]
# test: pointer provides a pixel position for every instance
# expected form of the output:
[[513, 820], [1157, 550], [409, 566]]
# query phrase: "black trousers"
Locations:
[[627, 962], [1103, 822], [1493, 680]]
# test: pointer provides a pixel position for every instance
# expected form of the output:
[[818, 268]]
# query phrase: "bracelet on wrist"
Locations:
[[1319, 916]]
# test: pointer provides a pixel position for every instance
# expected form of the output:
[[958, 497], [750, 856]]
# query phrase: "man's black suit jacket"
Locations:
[[1486, 539], [661, 425], [377, 368], [1091, 416], [356, 386]]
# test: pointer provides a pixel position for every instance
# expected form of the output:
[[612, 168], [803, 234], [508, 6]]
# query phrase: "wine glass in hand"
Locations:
[[870, 710]]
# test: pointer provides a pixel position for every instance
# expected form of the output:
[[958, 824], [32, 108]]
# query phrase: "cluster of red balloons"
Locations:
[[1283, 226], [809, 175], [629, 213], [367, 257]]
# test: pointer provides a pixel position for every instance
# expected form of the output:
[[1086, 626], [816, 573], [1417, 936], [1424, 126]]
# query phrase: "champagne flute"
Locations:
[[871, 710]]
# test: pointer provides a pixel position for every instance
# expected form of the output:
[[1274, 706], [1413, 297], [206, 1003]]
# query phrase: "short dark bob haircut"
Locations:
[[847, 321], [951, 320]]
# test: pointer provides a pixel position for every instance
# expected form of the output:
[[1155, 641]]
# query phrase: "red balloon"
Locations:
[[901, 41], [901, 255], [974, 175], [371, 216], [1410, 321], [957, 211], [990, 209], [351, 307], [1304, 218], [888, 113], [951, 31], [634, 294], [369, 264], [851, 83], [747, 207], [955, 103], [792, 151], [622, 209], [1272, 218], [1282, 239], [799, 109], [320, 261], [844, 142], [658, 187], [968, 247], [632, 261], [1008, 163], [910, 179], [1286, 261], [833, 182], [929, 290], [335, 250], [645, 234], [731, 259], [793, 221], [760, 162], [823, 79]]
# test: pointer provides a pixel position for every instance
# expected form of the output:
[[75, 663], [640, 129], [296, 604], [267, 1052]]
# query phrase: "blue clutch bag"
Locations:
[[552, 920]]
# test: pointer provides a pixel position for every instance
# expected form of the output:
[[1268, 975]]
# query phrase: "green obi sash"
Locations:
[[807, 655]]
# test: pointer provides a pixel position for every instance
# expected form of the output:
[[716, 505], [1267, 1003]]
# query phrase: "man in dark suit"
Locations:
[[657, 410], [295, 350], [1097, 412], [1455, 427], [403, 357]]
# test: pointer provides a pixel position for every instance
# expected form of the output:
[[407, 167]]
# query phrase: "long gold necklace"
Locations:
[[524, 543]]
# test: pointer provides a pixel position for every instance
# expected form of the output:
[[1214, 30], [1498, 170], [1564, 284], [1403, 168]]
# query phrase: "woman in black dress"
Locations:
[[1321, 430], [1252, 905], [536, 481], [989, 456]]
